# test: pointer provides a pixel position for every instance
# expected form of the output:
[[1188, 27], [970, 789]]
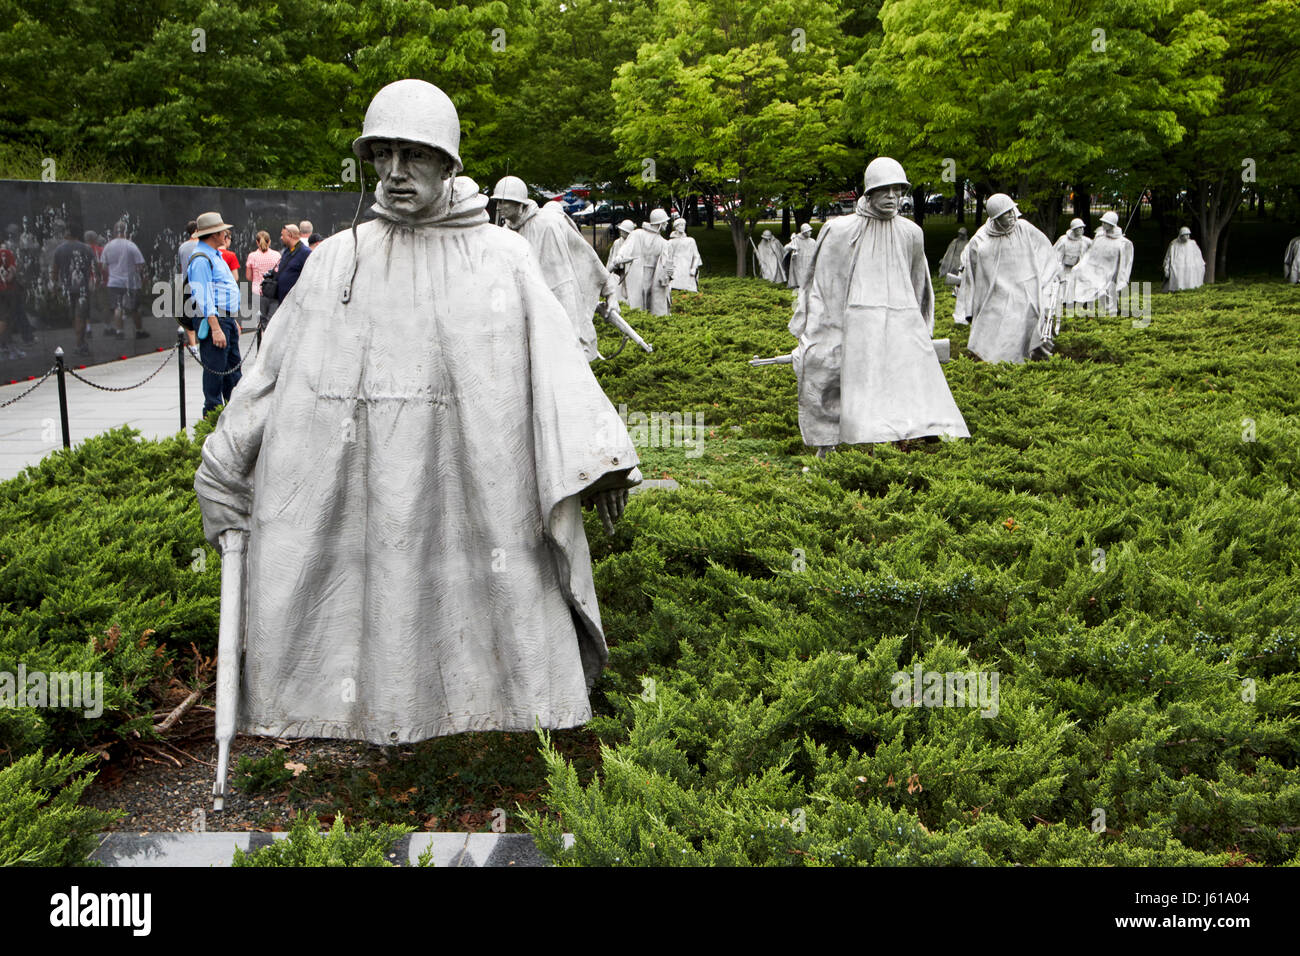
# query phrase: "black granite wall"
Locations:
[[155, 218]]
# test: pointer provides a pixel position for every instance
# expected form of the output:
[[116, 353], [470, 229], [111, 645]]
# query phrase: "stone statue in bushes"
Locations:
[[799, 253], [867, 369], [1104, 269], [1184, 264], [569, 264], [1009, 286], [408, 459], [769, 254], [647, 265], [1070, 249]]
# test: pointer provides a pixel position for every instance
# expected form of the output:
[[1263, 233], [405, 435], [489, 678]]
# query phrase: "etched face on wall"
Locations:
[[884, 200], [417, 179]]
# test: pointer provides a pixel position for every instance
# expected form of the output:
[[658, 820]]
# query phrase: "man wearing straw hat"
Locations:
[[216, 298]]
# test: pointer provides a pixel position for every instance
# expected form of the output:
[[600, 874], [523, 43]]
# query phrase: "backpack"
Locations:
[[190, 308]]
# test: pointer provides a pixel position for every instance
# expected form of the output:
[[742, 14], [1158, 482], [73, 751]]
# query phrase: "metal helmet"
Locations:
[[961, 231], [510, 188], [998, 204], [658, 217], [1184, 231], [414, 111], [679, 223], [1075, 224], [805, 227], [883, 171], [627, 226], [767, 234], [1110, 218]]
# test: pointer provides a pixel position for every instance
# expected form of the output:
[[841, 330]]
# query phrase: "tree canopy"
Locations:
[[747, 104]]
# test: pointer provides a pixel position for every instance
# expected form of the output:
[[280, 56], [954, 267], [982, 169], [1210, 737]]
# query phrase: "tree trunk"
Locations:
[[709, 206], [1213, 204], [979, 205], [918, 205], [959, 194], [1221, 257], [738, 239], [785, 224], [1083, 203]]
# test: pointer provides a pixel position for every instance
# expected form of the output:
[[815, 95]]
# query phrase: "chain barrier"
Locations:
[[230, 371], [30, 390], [119, 388]]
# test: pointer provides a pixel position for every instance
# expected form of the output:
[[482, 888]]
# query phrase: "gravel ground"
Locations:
[[163, 787]]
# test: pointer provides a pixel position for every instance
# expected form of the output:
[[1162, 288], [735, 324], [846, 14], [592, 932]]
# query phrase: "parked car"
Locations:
[[603, 212]]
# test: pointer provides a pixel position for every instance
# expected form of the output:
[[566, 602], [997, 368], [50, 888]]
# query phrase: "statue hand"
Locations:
[[610, 505]]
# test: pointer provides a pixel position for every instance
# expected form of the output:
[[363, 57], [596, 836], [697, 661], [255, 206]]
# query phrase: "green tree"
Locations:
[[560, 114], [1027, 97], [1248, 135], [738, 100]]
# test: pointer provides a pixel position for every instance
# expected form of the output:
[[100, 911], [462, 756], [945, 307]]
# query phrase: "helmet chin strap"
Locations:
[[356, 248]]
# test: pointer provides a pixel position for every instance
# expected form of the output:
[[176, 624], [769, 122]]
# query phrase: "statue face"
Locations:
[[509, 210], [883, 201], [417, 178], [1006, 220]]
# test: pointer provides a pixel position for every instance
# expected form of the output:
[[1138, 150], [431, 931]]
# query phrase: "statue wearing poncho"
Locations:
[[1008, 285], [571, 267], [647, 266], [1184, 264], [951, 261], [1105, 268], [1291, 261], [1071, 248], [685, 255], [799, 253], [867, 368], [769, 252], [408, 456]]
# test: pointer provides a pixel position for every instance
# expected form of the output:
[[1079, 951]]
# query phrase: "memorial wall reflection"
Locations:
[[44, 292]]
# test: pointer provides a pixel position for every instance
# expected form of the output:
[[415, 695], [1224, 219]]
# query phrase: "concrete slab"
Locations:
[[123, 849], [170, 849]]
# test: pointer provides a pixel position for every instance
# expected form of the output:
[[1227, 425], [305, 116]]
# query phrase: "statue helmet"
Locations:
[[1111, 218], [961, 231], [998, 204], [767, 234], [805, 227], [679, 223], [1075, 224], [627, 226], [510, 188], [1184, 231], [658, 217], [414, 111], [883, 171]]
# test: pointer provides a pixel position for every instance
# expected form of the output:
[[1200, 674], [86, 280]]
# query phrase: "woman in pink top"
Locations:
[[258, 264]]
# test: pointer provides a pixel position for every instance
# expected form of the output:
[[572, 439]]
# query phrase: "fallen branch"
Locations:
[[170, 720]]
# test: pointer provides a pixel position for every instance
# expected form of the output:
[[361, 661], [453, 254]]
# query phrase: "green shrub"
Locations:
[[40, 822], [305, 846]]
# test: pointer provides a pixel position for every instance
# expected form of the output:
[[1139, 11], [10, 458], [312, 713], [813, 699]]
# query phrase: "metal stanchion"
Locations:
[[180, 364], [63, 396]]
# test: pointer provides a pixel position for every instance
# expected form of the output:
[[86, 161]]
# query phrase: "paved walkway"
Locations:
[[30, 430]]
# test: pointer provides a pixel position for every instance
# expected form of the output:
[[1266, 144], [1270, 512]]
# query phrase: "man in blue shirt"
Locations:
[[216, 301]]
